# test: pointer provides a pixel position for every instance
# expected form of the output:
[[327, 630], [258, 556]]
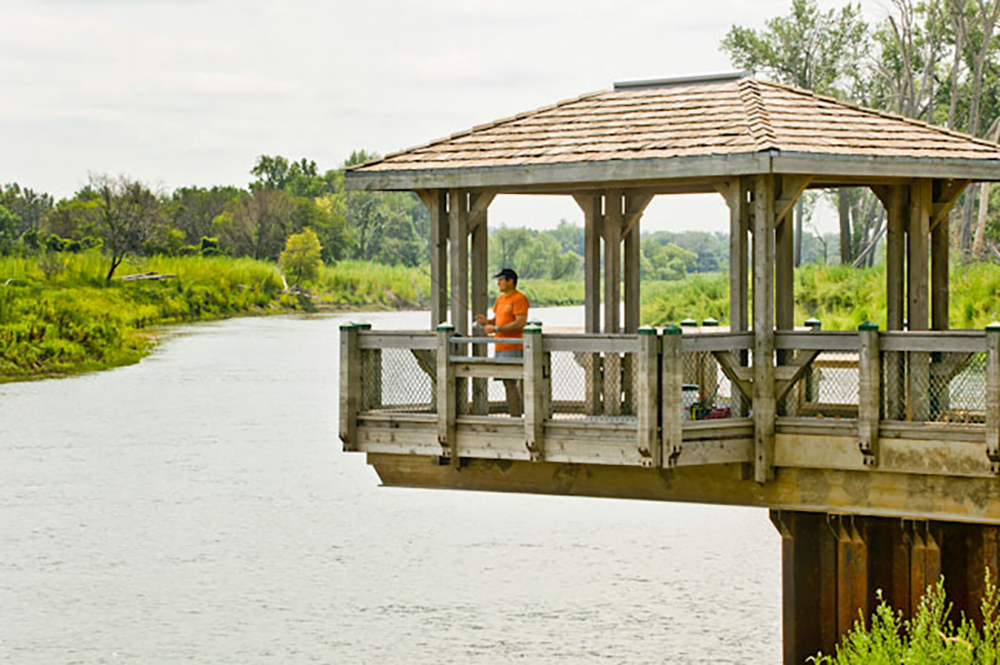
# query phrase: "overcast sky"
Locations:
[[190, 92]]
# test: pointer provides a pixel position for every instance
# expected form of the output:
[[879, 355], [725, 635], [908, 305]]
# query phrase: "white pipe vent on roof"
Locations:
[[683, 80]]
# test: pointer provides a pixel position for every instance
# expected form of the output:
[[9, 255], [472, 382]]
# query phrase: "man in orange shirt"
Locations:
[[510, 314]]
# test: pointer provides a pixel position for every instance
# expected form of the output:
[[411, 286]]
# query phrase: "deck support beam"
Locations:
[[764, 403]]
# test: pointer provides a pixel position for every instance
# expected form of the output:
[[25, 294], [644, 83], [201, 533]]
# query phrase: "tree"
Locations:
[[8, 230], [301, 258], [192, 209], [821, 51], [129, 214], [257, 224]]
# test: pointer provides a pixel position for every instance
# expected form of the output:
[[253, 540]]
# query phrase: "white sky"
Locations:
[[190, 92]]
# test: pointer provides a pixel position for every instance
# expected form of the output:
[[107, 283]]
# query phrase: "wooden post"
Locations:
[[612, 261], [458, 232], [896, 221], [869, 393], [536, 391], [784, 277], [446, 397], [480, 293], [633, 260], [764, 402], [939, 274], [592, 222], [671, 368], [648, 397], [918, 397], [436, 202], [371, 366], [350, 385], [737, 194], [992, 394]]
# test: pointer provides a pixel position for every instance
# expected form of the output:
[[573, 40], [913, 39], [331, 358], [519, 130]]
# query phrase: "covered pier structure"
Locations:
[[877, 452]]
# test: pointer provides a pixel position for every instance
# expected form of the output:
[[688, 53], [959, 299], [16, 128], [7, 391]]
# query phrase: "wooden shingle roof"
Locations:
[[717, 127]]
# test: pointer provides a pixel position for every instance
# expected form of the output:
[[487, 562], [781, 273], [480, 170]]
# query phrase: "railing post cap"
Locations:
[[445, 327], [868, 325], [348, 325], [813, 322], [647, 330], [533, 329], [672, 330], [534, 322], [363, 326], [689, 323], [993, 327], [710, 322]]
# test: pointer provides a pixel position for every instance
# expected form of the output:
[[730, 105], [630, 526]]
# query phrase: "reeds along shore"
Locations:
[[59, 316]]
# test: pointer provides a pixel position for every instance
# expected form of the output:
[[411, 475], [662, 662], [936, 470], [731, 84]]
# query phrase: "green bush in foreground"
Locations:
[[929, 637]]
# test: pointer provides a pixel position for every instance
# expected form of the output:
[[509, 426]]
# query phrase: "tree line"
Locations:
[[934, 60]]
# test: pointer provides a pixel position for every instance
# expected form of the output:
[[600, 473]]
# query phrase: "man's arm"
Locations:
[[515, 326]]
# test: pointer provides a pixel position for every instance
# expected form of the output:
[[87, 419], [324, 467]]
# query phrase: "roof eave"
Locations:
[[638, 171], [883, 167], [540, 175]]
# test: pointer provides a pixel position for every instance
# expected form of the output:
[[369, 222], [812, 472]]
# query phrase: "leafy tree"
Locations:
[[301, 258], [8, 230], [257, 224], [129, 214], [26, 204], [330, 224], [74, 218], [192, 209], [808, 48]]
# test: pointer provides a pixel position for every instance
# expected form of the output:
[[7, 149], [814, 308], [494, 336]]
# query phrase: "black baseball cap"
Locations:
[[506, 273]]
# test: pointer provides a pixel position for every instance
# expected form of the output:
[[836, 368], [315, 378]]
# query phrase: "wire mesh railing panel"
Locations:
[[944, 387], [827, 388], [397, 380], [594, 385], [706, 392]]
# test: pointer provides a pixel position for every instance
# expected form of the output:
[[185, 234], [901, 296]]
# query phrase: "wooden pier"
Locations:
[[877, 452]]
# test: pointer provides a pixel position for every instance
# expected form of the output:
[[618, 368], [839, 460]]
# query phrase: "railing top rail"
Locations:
[[958, 341], [723, 341], [396, 339], [591, 343], [817, 340]]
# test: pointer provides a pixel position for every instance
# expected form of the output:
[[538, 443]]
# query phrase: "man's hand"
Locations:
[[489, 329], [481, 319]]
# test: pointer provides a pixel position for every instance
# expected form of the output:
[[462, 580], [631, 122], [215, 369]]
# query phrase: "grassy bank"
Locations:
[[59, 316]]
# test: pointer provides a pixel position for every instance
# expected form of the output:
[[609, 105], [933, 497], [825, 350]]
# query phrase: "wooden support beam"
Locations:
[[647, 398], [436, 202], [993, 395], [869, 393], [536, 392], [945, 196], [632, 264], [939, 254], [788, 375], [764, 403], [635, 204], [672, 370], [446, 394], [593, 220], [350, 385], [792, 187], [736, 193], [741, 377], [480, 203], [852, 574], [480, 287], [458, 232], [918, 309], [612, 261], [897, 218]]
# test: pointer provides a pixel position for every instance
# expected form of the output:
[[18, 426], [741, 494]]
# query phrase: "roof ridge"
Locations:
[[478, 128], [758, 120], [885, 114]]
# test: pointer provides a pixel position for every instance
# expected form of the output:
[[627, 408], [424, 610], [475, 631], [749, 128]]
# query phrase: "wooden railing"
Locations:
[[666, 400]]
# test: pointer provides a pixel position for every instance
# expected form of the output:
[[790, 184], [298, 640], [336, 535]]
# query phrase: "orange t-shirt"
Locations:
[[505, 310]]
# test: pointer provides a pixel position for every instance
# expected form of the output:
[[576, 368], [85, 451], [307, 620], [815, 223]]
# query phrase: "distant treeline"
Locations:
[[126, 217]]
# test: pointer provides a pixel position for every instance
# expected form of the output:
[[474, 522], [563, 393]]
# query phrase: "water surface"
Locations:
[[196, 508]]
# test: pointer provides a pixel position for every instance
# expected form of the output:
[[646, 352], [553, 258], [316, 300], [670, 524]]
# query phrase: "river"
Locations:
[[197, 508]]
